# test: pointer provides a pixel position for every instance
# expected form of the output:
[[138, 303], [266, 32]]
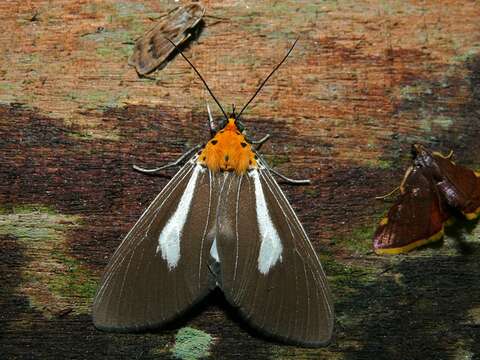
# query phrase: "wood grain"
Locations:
[[366, 79]]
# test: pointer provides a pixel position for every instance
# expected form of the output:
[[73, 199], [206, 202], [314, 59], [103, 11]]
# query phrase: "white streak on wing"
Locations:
[[169, 239], [271, 245], [319, 276], [214, 251], [121, 253]]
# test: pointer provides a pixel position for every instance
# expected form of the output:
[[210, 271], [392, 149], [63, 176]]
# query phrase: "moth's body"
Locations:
[[431, 187], [221, 222], [228, 150], [153, 49]]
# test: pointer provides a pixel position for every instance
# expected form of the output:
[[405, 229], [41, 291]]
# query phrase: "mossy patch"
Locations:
[[280, 352], [468, 55], [378, 164], [463, 351], [311, 192], [414, 92], [95, 134], [192, 344], [94, 99], [8, 91], [52, 279], [359, 240], [474, 315], [429, 122], [345, 278], [277, 160]]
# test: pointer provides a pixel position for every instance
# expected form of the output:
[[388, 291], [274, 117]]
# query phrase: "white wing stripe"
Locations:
[[271, 245], [169, 239], [120, 253], [317, 275], [214, 251]]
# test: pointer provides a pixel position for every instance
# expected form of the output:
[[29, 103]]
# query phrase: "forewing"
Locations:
[[269, 269], [460, 186], [160, 268], [153, 48], [415, 219]]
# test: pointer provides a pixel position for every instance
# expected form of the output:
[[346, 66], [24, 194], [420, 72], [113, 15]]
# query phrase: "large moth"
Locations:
[[221, 222]]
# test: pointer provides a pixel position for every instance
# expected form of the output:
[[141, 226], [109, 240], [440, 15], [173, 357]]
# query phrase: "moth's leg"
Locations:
[[175, 163], [211, 123], [389, 194], [400, 188], [162, 15], [260, 142], [405, 177], [448, 157], [283, 177], [290, 181]]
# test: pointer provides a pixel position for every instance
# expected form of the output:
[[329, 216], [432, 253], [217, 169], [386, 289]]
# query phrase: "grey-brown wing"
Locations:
[[153, 48], [269, 269], [160, 268]]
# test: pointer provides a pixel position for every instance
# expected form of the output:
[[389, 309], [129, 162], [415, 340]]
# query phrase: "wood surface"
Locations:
[[366, 80]]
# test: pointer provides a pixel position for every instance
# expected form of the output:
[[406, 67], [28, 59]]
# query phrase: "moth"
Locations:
[[152, 50], [430, 189], [221, 222]]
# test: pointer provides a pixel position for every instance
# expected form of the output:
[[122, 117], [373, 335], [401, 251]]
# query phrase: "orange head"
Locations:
[[228, 150]]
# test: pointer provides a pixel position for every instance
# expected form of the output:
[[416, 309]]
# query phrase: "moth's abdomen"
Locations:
[[228, 150]]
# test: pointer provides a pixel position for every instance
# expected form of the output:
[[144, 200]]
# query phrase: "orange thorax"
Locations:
[[228, 150]]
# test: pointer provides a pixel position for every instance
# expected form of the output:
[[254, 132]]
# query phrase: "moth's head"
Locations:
[[416, 150], [233, 123], [421, 155]]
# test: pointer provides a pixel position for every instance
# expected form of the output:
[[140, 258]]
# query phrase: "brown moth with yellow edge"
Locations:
[[221, 222], [152, 50], [430, 187]]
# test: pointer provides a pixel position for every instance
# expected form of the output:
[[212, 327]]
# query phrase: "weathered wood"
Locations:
[[365, 81]]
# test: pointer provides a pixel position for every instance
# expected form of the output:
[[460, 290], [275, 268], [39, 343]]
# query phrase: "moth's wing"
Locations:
[[153, 48], [269, 269], [460, 186], [416, 218], [160, 269]]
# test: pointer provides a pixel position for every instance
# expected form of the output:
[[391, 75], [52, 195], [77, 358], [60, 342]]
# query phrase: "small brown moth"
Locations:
[[431, 188], [153, 49]]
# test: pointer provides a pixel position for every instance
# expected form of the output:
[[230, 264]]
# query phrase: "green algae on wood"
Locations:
[[52, 279], [429, 122], [276, 160], [192, 344], [358, 240]]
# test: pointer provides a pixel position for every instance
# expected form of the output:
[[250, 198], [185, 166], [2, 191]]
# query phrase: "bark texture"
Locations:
[[366, 79]]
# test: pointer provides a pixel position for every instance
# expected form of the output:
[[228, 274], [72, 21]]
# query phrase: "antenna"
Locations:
[[268, 77], [200, 76]]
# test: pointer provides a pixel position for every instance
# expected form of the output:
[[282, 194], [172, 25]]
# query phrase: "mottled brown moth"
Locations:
[[152, 50]]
